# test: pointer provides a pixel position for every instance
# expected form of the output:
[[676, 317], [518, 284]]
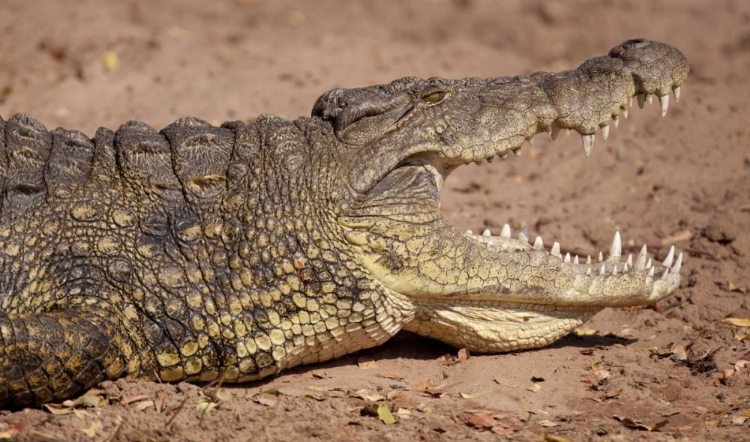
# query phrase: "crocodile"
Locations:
[[227, 254]]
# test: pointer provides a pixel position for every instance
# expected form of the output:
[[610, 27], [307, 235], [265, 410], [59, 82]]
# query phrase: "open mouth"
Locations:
[[613, 263], [495, 291]]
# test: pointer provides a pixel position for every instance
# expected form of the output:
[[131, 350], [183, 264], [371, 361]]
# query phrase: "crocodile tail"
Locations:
[[50, 357]]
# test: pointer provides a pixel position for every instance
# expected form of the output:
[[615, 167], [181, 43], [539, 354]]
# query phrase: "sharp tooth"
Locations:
[[522, 236], [664, 99], [678, 264], [588, 144], [630, 260], [567, 258], [625, 113], [650, 98], [651, 273], [602, 271], [490, 159], [554, 131], [614, 271], [668, 260], [588, 259], [469, 232], [588, 271], [625, 268], [601, 257], [539, 243], [555, 249], [630, 103], [503, 156], [641, 100], [665, 274], [575, 260], [616, 249], [640, 263], [517, 152], [677, 94], [486, 232], [505, 233], [531, 141], [616, 121], [648, 264], [605, 133]]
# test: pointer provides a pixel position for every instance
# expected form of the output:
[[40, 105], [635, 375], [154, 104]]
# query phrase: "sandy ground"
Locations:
[[683, 180]]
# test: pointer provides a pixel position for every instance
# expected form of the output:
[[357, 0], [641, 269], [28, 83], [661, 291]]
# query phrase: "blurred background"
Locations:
[[85, 63]]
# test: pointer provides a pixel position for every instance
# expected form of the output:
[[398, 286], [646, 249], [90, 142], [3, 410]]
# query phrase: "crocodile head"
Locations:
[[488, 293]]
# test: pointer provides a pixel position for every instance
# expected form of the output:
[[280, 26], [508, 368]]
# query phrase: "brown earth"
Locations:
[[683, 180]]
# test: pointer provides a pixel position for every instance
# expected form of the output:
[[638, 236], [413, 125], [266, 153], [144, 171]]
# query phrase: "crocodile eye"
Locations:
[[434, 98]]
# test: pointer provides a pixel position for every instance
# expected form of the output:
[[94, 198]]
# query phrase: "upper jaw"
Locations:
[[485, 118]]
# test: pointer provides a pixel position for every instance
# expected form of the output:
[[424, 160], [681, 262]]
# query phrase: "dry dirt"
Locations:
[[684, 179]]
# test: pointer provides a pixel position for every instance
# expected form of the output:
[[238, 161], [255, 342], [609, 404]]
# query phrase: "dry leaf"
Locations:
[[144, 405], [636, 425], [535, 388], [58, 409], [585, 331], [467, 395], [161, 399], [601, 397], [368, 395], [92, 429], [733, 288], [224, 394], [480, 419], [736, 322], [111, 61], [554, 438], [385, 415], [424, 385], [742, 363], [366, 364], [130, 400], [404, 413], [679, 353], [739, 420], [68, 406], [682, 235], [548, 423], [396, 377], [503, 431], [601, 375], [205, 404]]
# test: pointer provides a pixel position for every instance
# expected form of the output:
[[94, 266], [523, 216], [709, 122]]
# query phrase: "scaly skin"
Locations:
[[200, 253]]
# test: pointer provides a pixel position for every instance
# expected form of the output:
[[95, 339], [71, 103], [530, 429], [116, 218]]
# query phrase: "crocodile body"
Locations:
[[229, 253]]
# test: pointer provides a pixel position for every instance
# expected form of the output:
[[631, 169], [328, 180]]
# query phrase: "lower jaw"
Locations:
[[495, 327]]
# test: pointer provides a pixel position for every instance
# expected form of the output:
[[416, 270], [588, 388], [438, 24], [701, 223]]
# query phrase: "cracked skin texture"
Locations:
[[229, 253]]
